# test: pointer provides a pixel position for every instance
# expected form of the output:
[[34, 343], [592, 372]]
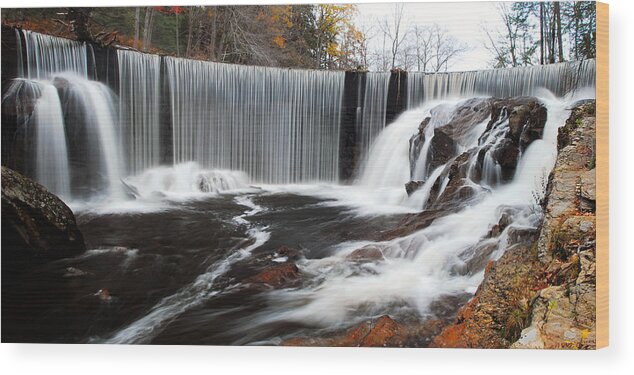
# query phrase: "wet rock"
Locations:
[[381, 332], [507, 215], [366, 254], [476, 257], [279, 276], [497, 313], [412, 223], [416, 142], [517, 234], [526, 118], [386, 332], [466, 116], [459, 188], [441, 150], [541, 294], [412, 186], [36, 225], [448, 136], [104, 296], [72, 272]]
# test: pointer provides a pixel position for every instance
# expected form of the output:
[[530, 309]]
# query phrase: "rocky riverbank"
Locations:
[[541, 294], [36, 225]]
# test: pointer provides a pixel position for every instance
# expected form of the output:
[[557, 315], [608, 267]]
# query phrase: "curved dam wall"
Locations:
[[277, 125]]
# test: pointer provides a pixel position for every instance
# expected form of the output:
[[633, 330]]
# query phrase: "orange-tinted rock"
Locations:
[[495, 317], [381, 332], [277, 276], [386, 332], [366, 254]]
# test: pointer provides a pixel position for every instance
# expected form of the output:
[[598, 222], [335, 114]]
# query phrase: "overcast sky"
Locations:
[[463, 20]]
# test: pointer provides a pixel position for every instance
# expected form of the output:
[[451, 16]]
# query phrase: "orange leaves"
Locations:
[[279, 41], [170, 10]]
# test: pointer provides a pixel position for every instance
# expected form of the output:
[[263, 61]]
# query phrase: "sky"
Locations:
[[465, 21]]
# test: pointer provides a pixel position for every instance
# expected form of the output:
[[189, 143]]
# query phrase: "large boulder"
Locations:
[[453, 128], [525, 118], [36, 225]]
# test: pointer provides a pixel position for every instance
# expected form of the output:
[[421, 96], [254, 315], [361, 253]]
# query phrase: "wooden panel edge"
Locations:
[[602, 176]]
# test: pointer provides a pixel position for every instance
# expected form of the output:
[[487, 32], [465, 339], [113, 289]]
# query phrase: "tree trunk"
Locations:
[[559, 38], [137, 25], [541, 33], [79, 18], [190, 30], [147, 27], [212, 42], [553, 40], [178, 46]]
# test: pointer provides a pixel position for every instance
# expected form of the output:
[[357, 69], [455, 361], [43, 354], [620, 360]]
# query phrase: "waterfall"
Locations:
[[388, 159], [445, 258], [68, 123], [277, 125], [47, 54], [559, 79], [139, 108], [372, 120], [52, 168], [98, 105]]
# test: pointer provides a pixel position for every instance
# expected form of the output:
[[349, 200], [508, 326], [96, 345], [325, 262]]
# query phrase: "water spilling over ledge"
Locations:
[[226, 205], [276, 125]]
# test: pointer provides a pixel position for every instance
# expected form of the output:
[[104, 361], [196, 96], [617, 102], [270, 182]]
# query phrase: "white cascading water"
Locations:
[[52, 169], [277, 125], [372, 120], [139, 108], [422, 267], [559, 79], [59, 69], [99, 106], [45, 148], [232, 125], [186, 178], [47, 54]]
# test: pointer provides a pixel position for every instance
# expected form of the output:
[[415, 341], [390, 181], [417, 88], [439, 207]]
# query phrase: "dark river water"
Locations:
[[176, 275]]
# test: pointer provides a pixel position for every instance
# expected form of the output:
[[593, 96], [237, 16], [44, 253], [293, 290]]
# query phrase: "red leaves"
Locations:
[[170, 10]]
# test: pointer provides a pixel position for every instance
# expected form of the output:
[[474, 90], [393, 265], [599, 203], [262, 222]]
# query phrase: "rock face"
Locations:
[[497, 313], [563, 313], [381, 332], [514, 123], [541, 293], [36, 225], [452, 132], [526, 118]]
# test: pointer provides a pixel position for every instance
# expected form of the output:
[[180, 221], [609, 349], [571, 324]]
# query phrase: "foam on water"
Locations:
[[419, 268], [200, 290]]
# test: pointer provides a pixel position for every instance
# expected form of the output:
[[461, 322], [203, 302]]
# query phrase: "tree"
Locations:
[[520, 40], [423, 46], [515, 44], [393, 32], [332, 23], [445, 47], [137, 25], [147, 27], [79, 20]]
